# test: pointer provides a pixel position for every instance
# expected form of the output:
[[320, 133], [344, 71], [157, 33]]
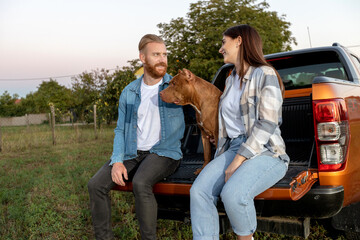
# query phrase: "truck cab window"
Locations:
[[299, 70]]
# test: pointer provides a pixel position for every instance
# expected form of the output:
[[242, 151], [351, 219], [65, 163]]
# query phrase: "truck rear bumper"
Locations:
[[319, 202]]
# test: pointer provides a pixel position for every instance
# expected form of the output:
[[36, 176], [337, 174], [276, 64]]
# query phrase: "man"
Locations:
[[146, 144]]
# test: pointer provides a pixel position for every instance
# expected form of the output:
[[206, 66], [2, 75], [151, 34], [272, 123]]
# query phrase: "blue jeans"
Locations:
[[252, 178]]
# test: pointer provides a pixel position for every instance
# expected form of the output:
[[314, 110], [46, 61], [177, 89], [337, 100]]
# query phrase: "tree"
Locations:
[[48, 92], [8, 107], [109, 100], [193, 42], [87, 89]]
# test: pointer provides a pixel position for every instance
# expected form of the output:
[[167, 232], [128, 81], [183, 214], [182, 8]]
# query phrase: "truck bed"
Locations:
[[297, 116]]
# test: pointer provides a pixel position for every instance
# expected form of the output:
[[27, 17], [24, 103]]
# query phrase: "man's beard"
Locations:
[[151, 69]]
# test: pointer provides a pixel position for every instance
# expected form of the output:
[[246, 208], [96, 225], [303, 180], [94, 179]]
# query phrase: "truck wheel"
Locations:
[[352, 235]]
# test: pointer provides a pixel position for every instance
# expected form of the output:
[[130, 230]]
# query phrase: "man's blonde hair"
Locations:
[[149, 38]]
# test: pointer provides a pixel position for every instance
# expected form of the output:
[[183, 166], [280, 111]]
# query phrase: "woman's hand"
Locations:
[[212, 140], [235, 164]]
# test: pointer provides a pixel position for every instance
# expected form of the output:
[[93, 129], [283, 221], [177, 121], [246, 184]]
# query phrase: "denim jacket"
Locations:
[[172, 125]]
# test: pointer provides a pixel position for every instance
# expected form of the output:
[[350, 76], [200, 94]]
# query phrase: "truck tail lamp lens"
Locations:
[[331, 133], [331, 153], [326, 112], [328, 131]]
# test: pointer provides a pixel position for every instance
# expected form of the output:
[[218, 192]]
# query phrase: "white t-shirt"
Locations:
[[230, 110], [148, 122]]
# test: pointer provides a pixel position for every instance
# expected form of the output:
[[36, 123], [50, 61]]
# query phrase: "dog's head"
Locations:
[[180, 89]]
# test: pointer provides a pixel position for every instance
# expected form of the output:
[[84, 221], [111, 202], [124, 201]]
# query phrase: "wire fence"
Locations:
[[49, 129]]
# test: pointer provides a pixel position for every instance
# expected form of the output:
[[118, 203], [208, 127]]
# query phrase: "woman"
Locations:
[[250, 156]]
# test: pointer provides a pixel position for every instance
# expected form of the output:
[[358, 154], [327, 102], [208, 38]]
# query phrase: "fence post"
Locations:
[[0, 139], [27, 121], [96, 136], [77, 132], [72, 119], [53, 123]]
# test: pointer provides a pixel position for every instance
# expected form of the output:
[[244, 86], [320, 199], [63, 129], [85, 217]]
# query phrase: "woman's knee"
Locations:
[[196, 191], [230, 199]]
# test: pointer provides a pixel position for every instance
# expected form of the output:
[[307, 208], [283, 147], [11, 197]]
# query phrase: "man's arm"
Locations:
[[118, 169]]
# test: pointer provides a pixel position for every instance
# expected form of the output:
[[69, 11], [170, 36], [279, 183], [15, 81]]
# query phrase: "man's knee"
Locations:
[[92, 185], [98, 187], [141, 186]]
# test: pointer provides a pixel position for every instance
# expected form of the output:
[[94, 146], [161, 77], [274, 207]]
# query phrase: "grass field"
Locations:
[[43, 188]]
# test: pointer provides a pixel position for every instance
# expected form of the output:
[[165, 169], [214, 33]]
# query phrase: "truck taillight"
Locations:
[[328, 131], [331, 133]]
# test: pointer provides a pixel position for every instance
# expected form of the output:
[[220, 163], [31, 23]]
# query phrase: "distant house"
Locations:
[[17, 101]]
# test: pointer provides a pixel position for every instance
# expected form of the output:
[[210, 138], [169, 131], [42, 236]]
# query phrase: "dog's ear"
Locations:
[[189, 75]]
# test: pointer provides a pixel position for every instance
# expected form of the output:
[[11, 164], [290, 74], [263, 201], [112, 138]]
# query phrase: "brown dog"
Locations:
[[186, 88]]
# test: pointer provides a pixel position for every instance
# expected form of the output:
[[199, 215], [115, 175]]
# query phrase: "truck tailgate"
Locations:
[[297, 181]]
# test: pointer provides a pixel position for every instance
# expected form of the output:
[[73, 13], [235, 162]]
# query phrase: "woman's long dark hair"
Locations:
[[250, 51]]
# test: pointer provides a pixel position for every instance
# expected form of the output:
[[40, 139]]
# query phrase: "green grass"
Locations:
[[39, 136], [43, 188]]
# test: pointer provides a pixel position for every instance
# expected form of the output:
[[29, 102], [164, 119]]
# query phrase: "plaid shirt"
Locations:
[[261, 109]]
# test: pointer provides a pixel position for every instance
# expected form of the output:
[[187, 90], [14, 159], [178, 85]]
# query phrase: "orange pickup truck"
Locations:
[[321, 129]]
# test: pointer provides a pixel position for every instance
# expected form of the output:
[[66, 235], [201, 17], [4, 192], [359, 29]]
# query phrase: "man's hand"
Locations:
[[119, 173], [235, 164]]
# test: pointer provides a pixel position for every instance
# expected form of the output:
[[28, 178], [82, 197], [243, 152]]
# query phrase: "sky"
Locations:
[[40, 39]]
